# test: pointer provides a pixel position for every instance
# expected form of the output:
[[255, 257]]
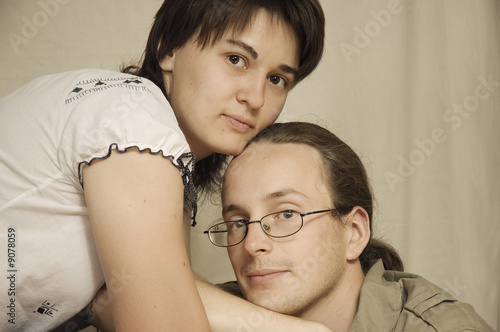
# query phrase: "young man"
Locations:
[[298, 207]]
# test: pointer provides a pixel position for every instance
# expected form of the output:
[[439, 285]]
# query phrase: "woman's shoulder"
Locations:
[[95, 81], [70, 86]]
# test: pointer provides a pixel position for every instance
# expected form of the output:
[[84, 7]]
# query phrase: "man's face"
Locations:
[[224, 94], [295, 273]]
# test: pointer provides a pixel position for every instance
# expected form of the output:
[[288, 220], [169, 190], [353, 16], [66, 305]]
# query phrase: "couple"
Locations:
[[92, 162], [297, 209]]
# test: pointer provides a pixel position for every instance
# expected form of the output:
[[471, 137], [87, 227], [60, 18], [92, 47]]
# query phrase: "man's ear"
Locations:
[[359, 223]]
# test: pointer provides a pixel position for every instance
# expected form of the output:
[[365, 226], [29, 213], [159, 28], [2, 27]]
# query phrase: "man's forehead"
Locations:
[[272, 157], [270, 197]]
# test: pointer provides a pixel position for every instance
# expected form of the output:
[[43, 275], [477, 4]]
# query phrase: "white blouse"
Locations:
[[49, 129]]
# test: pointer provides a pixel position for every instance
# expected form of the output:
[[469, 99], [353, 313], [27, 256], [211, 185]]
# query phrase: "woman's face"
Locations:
[[226, 93]]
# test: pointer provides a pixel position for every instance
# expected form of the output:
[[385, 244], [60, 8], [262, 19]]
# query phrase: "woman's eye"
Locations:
[[278, 80], [237, 60]]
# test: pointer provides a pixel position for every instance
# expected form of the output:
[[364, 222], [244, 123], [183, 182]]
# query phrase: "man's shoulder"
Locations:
[[425, 302]]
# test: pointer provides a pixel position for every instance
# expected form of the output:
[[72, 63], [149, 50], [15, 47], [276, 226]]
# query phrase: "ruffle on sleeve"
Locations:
[[185, 164]]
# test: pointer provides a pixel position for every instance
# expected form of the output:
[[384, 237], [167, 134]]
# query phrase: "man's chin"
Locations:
[[271, 301]]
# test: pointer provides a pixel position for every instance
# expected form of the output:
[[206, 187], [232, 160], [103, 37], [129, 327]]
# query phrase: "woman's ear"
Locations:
[[359, 222], [167, 64]]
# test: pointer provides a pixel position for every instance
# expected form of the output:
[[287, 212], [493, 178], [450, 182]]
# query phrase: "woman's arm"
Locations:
[[228, 313], [135, 203], [225, 313]]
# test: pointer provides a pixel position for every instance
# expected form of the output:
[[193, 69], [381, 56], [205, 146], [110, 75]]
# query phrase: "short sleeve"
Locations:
[[119, 112]]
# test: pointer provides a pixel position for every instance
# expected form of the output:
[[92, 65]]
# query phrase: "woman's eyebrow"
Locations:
[[244, 46], [289, 70]]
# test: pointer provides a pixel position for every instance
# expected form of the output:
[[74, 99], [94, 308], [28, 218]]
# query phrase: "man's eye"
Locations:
[[235, 225], [237, 60], [240, 223], [287, 214], [278, 81]]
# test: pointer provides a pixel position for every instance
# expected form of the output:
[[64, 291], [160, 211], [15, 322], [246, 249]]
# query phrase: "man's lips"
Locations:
[[239, 123], [263, 276]]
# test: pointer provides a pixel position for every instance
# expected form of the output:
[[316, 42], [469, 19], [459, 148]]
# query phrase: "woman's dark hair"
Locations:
[[177, 21], [345, 176]]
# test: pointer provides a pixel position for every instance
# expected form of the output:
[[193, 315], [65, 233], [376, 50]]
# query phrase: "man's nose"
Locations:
[[256, 240]]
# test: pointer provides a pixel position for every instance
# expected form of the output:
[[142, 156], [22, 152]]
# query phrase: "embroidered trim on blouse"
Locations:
[[186, 169], [88, 86]]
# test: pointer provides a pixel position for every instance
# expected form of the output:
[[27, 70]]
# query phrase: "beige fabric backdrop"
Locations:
[[413, 86]]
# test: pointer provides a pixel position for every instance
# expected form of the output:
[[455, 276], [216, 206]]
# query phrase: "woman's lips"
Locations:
[[238, 123]]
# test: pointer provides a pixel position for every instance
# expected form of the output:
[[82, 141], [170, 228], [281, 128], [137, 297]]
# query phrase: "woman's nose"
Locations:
[[252, 91]]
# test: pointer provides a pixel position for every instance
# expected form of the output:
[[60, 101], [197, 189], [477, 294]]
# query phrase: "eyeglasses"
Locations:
[[277, 225]]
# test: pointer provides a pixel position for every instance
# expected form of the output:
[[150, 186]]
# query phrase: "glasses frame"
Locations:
[[302, 215]]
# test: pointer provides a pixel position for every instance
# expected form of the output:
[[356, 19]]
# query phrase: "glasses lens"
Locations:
[[282, 224], [228, 233]]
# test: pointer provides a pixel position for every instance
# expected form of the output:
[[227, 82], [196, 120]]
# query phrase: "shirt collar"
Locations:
[[380, 302]]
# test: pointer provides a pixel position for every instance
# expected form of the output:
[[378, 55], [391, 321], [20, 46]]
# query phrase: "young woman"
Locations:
[[96, 166]]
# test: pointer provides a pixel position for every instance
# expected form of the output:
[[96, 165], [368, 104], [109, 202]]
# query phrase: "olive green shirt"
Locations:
[[400, 301]]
